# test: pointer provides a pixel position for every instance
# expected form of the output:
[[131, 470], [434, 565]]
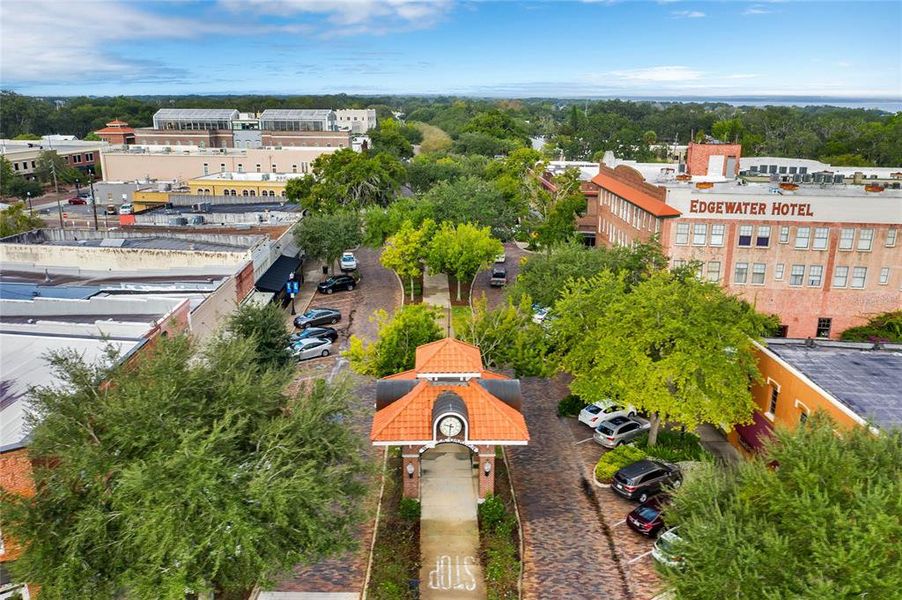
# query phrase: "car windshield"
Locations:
[[648, 513], [669, 543], [498, 273], [592, 409]]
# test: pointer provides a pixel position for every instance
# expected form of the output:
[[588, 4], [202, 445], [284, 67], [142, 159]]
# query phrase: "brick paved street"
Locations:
[[495, 295]]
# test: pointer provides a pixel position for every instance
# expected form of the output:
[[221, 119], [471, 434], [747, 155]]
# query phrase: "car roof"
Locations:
[[311, 340], [323, 309], [640, 467], [619, 420]]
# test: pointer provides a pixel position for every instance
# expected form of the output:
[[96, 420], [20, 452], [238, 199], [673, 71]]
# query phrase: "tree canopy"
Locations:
[[265, 327], [326, 235], [395, 138], [405, 251], [886, 327], [185, 470], [16, 219], [395, 347], [462, 251], [473, 200], [815, 516]]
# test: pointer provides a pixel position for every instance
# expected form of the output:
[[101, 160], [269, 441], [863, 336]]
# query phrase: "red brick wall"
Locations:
[[698, 154], [16, 478], [244, 282]]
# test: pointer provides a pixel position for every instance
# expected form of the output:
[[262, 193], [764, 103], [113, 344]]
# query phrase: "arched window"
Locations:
[[253, 193], [244, 192], [283, 193]]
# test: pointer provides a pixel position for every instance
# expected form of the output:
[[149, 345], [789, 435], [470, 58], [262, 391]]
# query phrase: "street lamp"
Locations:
[[30, 209], [409, 470], [487, 468]]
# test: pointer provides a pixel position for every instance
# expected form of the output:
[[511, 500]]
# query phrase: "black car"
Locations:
[[642, 480], [336, 283], [648, 517], [315, 332], [317, 316]]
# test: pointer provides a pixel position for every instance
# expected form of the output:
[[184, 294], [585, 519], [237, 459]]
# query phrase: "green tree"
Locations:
[[472, 200], [679, 349], [395, 347], [16, 219], [7, 176], [462, 251], [25, 188], [326, 235], [265, 326], [426, 170], [405, 251], [92, 137], [847, 160], [183, 470], [434, 139], [554, 212], [886, 327], [728, 130], [507, 337], [27, 137], [482, 144], [499, 125], [394, 138], [830, 511], [380, 223], [348, 179], [49, 162]]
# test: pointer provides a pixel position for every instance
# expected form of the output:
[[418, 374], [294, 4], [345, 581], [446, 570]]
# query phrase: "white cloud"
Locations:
[[843, 64], [359, 15], [688, 14], [658, 74], [757, 9]]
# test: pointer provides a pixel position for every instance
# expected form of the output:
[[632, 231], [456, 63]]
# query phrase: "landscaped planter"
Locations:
[[598, 483]]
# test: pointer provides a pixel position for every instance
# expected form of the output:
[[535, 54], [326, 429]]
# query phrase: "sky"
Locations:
[[664, 48]]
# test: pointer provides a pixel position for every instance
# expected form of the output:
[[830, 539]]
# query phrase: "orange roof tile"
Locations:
[[410, 417], [411, 374], [448, 356], [636, 196]]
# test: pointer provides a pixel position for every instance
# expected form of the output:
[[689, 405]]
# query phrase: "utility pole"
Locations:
[[59, 207], [56, 184], [93, 200]]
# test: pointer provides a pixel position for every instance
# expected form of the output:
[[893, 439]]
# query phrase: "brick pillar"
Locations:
[[486, 480], [411, 476]]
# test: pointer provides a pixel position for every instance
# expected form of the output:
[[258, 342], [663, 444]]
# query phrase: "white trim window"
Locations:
[[797, 275], [821, 237], [840, 276], [745, 236], [802, 236], [741, 274], [815, 275], [846, 238], [884, 275], [717, 233], [890, 238], [859, 277], [762, 240], [778, 271], [784, 234], [699, 234], [758, 271], [682, 234], [714, 270], [865, 239]]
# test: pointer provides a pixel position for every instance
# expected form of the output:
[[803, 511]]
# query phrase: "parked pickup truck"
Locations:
[[499, 277], [620, 430]]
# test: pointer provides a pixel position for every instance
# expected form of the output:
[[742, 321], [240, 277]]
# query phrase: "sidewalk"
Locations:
[[714, 442], [436, 293]]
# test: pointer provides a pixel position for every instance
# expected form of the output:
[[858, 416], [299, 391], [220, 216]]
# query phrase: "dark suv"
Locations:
[[642, 480], [337, 282]]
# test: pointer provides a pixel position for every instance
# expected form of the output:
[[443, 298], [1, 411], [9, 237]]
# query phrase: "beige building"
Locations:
[[242, 184], [170, 164]]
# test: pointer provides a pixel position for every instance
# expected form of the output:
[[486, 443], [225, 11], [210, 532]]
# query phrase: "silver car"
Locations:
[[620, 430], [307, 348]]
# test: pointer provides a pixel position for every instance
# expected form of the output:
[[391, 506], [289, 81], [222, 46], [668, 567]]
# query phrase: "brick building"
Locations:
[[117, 133], [823, 255], [448, 398]]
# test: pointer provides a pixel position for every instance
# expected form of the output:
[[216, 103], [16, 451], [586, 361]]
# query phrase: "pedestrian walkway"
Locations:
[[436, 293], [714, 442], [449, 531]]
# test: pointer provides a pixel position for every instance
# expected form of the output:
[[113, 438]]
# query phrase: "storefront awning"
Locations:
[[275, 277], [753, 436]]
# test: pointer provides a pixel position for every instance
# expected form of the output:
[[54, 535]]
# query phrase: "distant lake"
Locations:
[[887, 104]]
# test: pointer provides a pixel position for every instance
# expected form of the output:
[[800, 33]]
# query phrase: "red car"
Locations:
[[77, 200], [648, 518]]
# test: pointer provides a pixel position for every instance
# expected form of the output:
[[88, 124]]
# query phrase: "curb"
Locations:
[[369, 562], [510, 482]]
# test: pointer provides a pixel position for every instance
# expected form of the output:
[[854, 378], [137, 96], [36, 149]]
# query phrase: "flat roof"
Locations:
[[235, 176], [153, 243], [829, 190], [11, 290], [196, 113], [868, 381], [295, 114]]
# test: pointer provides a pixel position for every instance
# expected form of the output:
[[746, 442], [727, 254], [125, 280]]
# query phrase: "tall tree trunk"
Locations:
[[655, 422], [458, 290], [411, 289]]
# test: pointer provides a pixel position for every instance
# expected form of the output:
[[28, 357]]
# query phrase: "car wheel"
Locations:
[[632, 414], [333, 321], [677, 483], [350, 287], [329, 291], [643, 497], [325, 353]]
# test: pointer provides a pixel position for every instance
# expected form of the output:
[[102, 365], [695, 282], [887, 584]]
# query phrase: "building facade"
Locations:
[[242, 184], [822, 257], [356, 120], [23, 155]]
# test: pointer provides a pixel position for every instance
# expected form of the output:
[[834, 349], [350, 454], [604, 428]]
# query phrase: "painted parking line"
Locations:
[[619, 523], [583, 441], [640, 557]]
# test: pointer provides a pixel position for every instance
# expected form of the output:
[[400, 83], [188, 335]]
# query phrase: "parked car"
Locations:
[[111, 209], [501, 258], [308, 348], [499, 277], [336, 283], [77, 200], [317, 316], [619, 430], [327, 333], [648, 517], [348, 262], [667, 549], [604, 410], [126, 209], [539, 314], [642, 480]]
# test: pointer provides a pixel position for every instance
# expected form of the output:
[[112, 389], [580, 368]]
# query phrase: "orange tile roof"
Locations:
[[645, 201], [410, 417], [448, 356]]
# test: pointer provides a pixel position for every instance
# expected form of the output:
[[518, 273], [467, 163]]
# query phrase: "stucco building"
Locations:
[[78, 154]]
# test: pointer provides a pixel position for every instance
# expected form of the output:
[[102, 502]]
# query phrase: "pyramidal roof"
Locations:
[[448, 356]]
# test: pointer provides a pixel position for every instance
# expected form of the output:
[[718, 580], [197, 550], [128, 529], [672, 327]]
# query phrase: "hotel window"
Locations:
[[821, 235], [742, 272], [714, 270], [222, 167], [745, 235], [678, 262], [793, 170], [16, 166], [717, 232], [244, 192], [699, 234], [89, 156], [846, 237], [890, 238], [803, 418], [758, 270], [258, 167], [802, 235], [859, 275], [784, 235], [774, 396], [884, 275], [240, 168], [865, 237], [815, 275], [206, 169], [782, 331], [274, 169], [823, 327], [294, 168], [797, 275], [840, 277], [763, 238], [682, 234], [778, 271]]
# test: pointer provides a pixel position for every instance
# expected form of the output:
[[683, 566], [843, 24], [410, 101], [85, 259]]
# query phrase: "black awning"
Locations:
[[277, 275]]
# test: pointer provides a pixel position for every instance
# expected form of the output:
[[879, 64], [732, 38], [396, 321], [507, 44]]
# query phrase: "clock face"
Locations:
[[450, 426]]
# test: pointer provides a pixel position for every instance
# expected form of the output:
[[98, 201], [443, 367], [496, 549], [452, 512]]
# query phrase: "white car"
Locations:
[[539, 314], [602, 411], [307, 348], [348, 262], [666, 549], [126, 209], [501, 258]]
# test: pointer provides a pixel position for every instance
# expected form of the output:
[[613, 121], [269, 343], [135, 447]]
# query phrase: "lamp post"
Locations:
[[30, 209], [409, 470], [93, 201]]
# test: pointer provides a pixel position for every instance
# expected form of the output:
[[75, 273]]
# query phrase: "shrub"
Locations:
[[615, 460], [570, 406], [492, 513], [409, 509], [674, 446], [502, 569]]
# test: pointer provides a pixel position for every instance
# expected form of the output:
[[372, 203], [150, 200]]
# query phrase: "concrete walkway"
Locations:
[[435, 292], [449, 531], [714, 442]]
